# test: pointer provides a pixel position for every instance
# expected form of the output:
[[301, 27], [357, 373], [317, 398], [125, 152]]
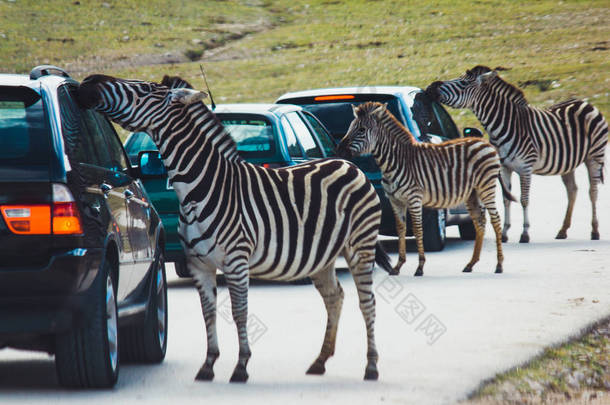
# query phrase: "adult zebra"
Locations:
[[423, 174], [530, 140], [275, 224]]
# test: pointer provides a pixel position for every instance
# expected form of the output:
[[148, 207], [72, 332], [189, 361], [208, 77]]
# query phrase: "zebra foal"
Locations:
[[422, 174], [246, 220], [550, 141]]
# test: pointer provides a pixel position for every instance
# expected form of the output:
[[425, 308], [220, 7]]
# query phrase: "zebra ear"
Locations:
[[188, 96], [355, 110], [486, 76], [380, 111]]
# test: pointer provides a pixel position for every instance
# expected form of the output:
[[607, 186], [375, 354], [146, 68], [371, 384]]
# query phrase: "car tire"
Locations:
[[147, 342], [434, 222], [88, 356], [181, 270], [467, 231]]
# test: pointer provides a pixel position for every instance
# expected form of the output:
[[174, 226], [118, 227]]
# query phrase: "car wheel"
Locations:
[[88, 357], [434, 230], [181, 270], [147, 343], [467, 231]]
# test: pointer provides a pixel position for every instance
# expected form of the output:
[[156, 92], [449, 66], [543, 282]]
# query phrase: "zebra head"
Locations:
[[361, 136], [135, 105], [461, 92]]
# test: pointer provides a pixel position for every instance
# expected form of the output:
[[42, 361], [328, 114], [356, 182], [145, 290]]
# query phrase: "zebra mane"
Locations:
[[502, 88], [388, 120], [175, 82]]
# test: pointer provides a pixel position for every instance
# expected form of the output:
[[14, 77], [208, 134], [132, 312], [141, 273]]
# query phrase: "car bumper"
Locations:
[[51, 298]]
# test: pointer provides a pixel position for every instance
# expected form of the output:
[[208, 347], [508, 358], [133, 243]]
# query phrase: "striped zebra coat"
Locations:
[[417, 175], [246, 220], [551, 141]]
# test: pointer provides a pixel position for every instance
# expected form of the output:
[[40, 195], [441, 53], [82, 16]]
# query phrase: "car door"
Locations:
[[141, 235], [100, 191], [295, 151]]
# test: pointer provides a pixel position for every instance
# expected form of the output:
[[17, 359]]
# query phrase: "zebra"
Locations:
[[530, 140], [247, 220], [423, 174]]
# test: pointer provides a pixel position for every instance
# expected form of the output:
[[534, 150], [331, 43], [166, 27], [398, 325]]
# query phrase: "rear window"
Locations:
[[24, 130], [337, 116], [252, 134]]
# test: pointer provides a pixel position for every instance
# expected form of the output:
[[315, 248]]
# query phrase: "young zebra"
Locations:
[[417, 175], [530, 140], [246, 220]]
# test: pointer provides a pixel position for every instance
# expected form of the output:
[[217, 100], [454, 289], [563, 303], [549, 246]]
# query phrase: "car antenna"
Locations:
[[208, 87]]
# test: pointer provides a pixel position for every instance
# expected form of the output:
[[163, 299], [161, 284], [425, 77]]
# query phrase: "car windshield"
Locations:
[[24, 132], [252, 134], [337, 116]]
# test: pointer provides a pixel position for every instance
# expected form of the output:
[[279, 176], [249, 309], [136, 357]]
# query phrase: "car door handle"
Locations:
[[105, 188], [128, 194]]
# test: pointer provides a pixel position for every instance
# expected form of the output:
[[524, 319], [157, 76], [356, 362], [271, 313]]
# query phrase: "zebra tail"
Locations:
[[382, 258], [505, 192]]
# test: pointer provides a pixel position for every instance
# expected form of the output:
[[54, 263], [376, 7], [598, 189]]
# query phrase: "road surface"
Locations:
[[438, 336]]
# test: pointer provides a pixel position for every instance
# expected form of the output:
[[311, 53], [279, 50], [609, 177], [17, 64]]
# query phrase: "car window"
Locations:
[[446, 121], [337, 116], [138, 141], [425, 115], [321, 133], [301, 130], [294, 149], [80, 131], [253, 135], [25, 137], [118, 161]]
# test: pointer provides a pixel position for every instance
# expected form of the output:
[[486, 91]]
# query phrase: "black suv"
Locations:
[[82, 272]]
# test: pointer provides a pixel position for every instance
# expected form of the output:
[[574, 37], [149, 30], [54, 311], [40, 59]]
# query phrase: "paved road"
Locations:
[[438, 336]]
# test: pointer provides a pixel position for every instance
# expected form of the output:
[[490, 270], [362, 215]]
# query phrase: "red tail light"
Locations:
[[60, 218]]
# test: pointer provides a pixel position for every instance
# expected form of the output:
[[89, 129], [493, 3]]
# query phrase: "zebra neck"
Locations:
[[497, 105], [393, 140]]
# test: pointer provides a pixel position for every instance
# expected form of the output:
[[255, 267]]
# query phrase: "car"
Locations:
[[82, 272], [425, 118], [266, 134]]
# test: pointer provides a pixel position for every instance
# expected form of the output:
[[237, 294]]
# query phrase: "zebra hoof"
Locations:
[[371, 374], [205, 374], [504, 238], [525, 238], [563, 235], [394, 272], [499, 269], [594, 235], [316, 369], [419, 273], [467, 269], [240, 375]]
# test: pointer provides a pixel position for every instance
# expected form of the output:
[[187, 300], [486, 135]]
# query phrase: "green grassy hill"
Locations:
[[254, 50]]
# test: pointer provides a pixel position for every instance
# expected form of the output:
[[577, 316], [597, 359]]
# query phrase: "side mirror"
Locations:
[[473, 132], [150, 164]]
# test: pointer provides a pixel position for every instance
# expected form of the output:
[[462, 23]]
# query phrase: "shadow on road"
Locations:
[[30, 374]]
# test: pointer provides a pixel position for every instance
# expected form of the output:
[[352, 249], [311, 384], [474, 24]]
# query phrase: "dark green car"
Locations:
[[266, 134]]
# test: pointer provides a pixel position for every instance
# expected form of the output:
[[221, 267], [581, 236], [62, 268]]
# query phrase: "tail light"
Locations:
[[59, 218]]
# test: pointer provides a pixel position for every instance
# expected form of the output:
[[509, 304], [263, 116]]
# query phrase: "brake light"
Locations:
[[330, 98], [60, 218], [27, 219]]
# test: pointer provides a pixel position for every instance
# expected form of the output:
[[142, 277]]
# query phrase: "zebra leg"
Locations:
[[361, 265], [329, 288], [237, 281], [526, 181], [400, 213], [594, 167], [416, 218], [506, 177], [477, 214], [204, 277], [570, 183], [489, 202]]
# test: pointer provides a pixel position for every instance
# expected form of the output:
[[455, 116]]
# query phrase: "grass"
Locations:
[[262, 49], [577, 370]]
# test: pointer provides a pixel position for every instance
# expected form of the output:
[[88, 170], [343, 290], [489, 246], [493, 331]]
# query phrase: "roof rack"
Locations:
[[46, 70]]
